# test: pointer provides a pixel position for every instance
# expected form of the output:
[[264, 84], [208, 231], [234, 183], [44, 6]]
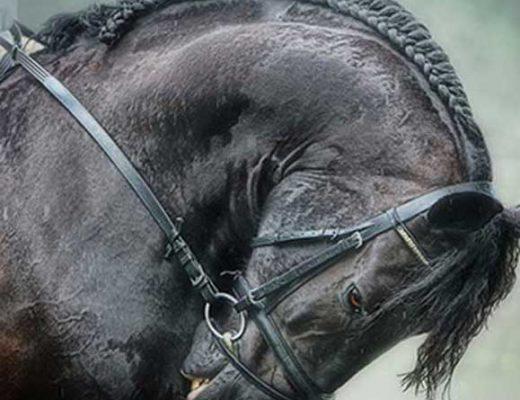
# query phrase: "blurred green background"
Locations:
[[483, 39]]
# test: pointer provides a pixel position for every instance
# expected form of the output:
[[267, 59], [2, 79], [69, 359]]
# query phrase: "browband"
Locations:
[[405, 212]]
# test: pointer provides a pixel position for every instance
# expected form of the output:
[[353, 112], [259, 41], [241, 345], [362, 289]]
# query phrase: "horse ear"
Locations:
[[463, 212]]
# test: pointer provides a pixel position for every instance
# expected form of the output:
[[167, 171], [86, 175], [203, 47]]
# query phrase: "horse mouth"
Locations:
[[197, 385], [204, 367]]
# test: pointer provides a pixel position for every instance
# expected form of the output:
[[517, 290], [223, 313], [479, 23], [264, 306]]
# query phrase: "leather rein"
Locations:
[[255, 304]]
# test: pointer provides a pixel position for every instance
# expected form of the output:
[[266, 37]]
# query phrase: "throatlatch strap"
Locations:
[[179, 247]]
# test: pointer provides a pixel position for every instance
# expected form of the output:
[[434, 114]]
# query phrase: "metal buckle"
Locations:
[[197, 282], [252, 300], [205, 286], [226, 336], [359, 239], [247, 301]]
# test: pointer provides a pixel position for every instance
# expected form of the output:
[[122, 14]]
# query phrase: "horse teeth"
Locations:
[[195, 384], [198, 383]]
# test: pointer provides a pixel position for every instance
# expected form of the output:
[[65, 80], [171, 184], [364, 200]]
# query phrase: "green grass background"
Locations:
[[482, 38]]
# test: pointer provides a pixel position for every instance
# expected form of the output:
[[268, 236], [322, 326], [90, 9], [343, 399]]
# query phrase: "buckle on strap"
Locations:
[[204, 285], [247, 302], [359, 240]]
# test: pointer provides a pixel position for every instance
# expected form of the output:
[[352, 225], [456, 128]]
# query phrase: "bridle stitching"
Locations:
[[412, 245], [409, 239]]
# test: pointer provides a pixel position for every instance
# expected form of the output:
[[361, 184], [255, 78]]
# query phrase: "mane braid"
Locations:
[[414, 41], [109, 23]]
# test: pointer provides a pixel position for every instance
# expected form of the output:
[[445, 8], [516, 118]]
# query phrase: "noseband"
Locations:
[[256, 304]]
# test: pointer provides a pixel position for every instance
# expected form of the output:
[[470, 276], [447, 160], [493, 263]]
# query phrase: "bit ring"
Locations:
[[235, 335]]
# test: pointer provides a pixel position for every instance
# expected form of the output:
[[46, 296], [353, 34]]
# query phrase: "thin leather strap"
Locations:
[[199, 279], [294, 370], [24, 30], [332, 234], [310, 267], [274, 338], [17, 32], [405, 212], [249, 375]]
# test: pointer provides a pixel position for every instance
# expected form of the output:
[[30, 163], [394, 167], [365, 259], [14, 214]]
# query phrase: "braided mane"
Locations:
[[413, 40], [109, 23]]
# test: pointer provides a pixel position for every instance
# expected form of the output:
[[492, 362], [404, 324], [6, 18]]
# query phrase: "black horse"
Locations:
[[246, 117]]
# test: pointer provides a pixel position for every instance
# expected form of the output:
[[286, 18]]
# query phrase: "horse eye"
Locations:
[[354, 299]]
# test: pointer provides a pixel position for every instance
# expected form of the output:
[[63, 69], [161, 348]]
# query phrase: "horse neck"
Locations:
[[196, 174]]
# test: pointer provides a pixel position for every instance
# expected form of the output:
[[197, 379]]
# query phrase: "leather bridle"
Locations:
[[254, 303], [261, 301]]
